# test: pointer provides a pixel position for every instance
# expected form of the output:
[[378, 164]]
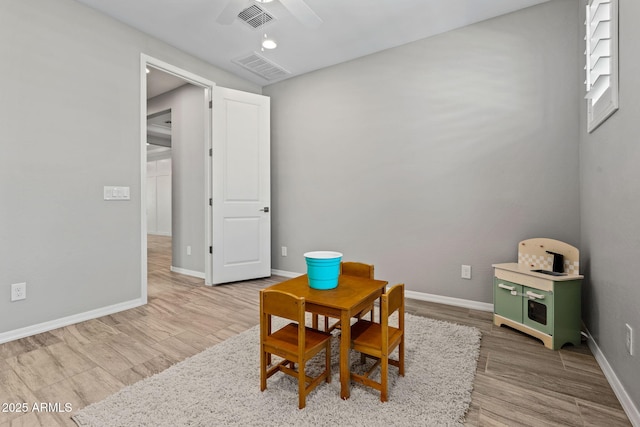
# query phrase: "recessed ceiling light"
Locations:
[[264, 1], [269, 44]]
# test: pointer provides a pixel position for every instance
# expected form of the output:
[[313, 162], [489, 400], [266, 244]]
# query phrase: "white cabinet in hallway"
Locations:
[[159, 197]]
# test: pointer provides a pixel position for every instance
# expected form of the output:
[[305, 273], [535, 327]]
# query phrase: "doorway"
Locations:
[[187, 172], [159, 188], [231, 193], [173, 172]]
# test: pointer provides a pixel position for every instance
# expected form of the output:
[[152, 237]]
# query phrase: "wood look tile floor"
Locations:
[[518, 380]]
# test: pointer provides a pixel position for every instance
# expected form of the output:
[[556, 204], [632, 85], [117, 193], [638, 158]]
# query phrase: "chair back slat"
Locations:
[[283, 304], [391, 301], [358, 269], [395, 298]]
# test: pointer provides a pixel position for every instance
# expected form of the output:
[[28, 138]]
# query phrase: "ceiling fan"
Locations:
[[298, 8]]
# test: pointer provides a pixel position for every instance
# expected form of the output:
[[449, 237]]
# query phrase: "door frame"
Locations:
[[208, 85]]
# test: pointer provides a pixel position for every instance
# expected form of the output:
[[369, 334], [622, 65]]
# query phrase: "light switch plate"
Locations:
[[117, 193]]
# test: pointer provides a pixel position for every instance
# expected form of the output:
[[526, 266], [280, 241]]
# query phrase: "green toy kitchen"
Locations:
[[540, 294]]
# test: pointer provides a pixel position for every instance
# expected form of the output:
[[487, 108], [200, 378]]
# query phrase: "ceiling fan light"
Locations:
[[269, 44]]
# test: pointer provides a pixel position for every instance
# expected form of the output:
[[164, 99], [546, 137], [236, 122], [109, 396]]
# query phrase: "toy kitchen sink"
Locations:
[[540, 295]]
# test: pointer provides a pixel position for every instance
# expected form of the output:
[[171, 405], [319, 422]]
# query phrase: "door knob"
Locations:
[[265, 209]]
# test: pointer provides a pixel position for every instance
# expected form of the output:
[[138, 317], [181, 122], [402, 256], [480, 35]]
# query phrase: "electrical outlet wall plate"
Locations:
[[465, 272], [18, 291]]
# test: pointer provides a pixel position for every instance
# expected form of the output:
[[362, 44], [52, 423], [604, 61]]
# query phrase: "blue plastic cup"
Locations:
[[323, 269]]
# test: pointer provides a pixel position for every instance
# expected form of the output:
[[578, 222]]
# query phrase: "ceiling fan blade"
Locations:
[[230, 11], [302, 12]]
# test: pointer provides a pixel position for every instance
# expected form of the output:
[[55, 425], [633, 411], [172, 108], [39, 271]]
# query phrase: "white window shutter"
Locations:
[[601, 55]]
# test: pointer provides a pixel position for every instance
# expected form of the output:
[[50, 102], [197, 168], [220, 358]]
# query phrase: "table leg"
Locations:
[[345, 350]]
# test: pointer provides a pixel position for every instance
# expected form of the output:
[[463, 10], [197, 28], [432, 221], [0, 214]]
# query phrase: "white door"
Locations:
[[241, 222]]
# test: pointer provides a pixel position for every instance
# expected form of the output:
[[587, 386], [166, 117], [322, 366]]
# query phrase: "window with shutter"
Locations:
[[601, 55]]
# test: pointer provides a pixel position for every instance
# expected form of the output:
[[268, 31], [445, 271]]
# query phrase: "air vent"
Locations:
[[255, 16], [262, 67]]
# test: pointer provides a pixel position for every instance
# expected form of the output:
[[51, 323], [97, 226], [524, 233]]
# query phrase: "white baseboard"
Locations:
[[283, 273], [457, 302], [483, 306], [198, 274], [625, 400], [69, 320], [160, 233]]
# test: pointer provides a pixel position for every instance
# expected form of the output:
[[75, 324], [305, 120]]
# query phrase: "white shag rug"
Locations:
[[221, 387]]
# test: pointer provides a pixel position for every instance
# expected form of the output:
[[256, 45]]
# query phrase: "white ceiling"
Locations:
[[350, 28]]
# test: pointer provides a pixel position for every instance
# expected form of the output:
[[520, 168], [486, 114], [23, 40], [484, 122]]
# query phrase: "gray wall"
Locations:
[[610, 208], [188, 173], [69, 125], [442, 152]]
